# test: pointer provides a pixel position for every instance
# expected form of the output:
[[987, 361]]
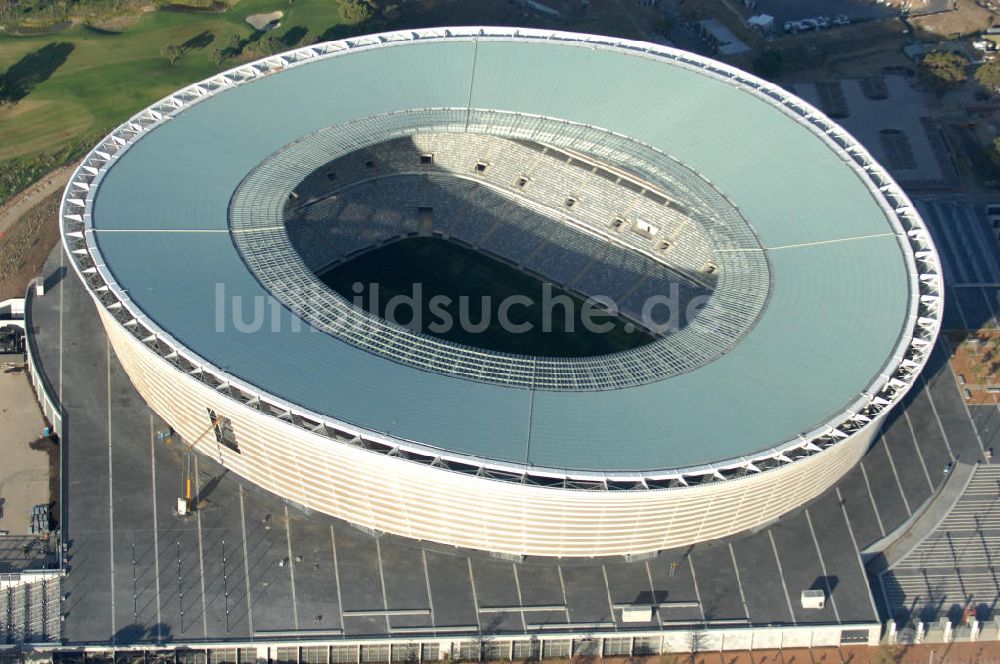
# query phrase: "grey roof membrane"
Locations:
[[840, 289]]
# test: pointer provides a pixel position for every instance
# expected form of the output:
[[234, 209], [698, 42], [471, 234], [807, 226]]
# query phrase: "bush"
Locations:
[[172, 52], [943, 70], [18, 173], [264, 47], [768, 64], [988, 75], [355, 11]]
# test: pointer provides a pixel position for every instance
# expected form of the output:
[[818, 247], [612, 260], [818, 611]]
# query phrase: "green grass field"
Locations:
[[75, 84], [443, 268], [108, 76]]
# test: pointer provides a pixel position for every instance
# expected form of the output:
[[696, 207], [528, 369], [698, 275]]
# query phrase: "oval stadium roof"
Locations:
[[843, 299]]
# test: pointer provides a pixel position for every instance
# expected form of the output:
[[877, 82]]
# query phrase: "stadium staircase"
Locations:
[[30, 611]]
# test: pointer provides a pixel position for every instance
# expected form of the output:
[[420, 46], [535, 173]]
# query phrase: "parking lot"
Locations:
[[249, 565], [793, 10]]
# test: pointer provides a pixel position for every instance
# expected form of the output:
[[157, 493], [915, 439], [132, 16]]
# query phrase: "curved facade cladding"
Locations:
[[629, 487]]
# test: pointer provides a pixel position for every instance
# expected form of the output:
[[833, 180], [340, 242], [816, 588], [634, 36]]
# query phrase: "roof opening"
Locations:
[[481, 166], [223, 428], [426, 159]]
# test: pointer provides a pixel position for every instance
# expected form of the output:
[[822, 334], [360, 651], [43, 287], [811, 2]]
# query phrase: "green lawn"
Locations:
[[107, 77], [100, 77], [444, 268]]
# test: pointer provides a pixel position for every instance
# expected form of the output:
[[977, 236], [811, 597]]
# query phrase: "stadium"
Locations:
[[204, 228]]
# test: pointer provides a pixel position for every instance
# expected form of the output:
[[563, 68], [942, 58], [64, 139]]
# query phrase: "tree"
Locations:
[[172, 52], [265, 46], [355, 11], [219, 55], [943, 70], [886, 654], [391, 12], [768, 64], [236, 43], [988, 75]]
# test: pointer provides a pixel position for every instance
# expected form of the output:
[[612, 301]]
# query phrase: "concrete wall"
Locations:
[[44, 392]]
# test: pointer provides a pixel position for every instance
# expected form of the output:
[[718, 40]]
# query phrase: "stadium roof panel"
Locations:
[[841, 289]]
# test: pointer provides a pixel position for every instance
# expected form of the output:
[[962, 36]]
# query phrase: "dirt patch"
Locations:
[[25, 245], [24, 106], [28, 30], [975, 358], [967, 19], [119, 23], [265, 22], [858, 50]]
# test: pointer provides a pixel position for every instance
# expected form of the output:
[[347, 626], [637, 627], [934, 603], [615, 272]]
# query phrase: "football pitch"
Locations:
[[424, 282]]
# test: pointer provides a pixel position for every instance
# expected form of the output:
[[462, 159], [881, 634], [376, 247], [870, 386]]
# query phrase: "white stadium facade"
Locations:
[[599, 164]]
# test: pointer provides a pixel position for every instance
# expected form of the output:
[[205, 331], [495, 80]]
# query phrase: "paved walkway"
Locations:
[[24, 473]]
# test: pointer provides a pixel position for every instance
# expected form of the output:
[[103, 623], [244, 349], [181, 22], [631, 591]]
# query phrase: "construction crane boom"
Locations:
[[185, 503]]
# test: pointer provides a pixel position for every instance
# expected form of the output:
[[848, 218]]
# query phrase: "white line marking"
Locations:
[[652, 588], [246, 559], [520, 601], [156, 529], [111, 501], [611, 603], [892, 465], [739, 583], [291, 568], [562, 585], [944, 433], [336, 575], [822, 566], [381, 580], [975, 428], [201, 556], [697, 593], [834, 241], [920, 455], [162, 230], [871, 497], [430, 596], [62, 290], [958, 307], [854, 542], [472, 582], [781, 574]]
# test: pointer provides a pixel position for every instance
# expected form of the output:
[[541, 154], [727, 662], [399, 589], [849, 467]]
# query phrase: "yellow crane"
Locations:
[[185, 503]]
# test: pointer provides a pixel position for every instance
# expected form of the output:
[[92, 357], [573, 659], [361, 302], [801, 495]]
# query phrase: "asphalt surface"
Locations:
[[249, 565], [951, 565]]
